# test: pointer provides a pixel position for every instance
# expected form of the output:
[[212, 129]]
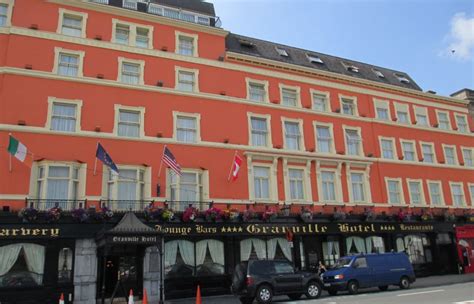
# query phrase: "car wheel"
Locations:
[[264, 294], [313, 290], [404, 283], [332, 292], [383, 288], [353, 287], [294, 296], [244, 300]]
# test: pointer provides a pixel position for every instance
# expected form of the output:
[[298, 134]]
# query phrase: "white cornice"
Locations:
[[109, 9]]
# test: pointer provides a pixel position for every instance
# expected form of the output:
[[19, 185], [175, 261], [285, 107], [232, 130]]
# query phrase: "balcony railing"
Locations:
[[46, 204], [182, 205], [126, 205], [100, 1]]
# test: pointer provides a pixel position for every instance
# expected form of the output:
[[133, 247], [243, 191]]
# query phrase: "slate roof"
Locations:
[[131, 224], [267, 50], [198, 6]]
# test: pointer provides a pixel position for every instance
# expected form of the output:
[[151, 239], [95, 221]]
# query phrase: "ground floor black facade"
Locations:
[[38, 261]]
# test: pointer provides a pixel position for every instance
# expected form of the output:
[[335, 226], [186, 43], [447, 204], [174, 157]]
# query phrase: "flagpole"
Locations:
[[95, 162], [231, 166], [9, 155], [161, 163]]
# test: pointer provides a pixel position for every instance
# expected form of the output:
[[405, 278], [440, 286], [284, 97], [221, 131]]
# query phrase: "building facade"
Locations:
[[347, 156]]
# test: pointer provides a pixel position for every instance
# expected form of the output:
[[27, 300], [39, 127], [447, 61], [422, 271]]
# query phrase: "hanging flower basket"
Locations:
[[339, 215], [213, 214], [248, 215], [306, 215], [190, 214], [152, 213], [167, 215], [80, 215], [269, 214], [104, 214], [369, 215], [28, 214], [53, 214], [449, 217]]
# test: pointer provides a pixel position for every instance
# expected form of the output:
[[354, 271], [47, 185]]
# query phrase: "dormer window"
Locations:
[[282, 52], [350, 67], [314, 59], [402, 78], [378, 73], [246, 43]]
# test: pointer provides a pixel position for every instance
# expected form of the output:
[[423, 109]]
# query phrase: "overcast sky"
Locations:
[[431, 40]]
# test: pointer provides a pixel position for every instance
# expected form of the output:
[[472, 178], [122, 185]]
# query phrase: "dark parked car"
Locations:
[[262, 279]]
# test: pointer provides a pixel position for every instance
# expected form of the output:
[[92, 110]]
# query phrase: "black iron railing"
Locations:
[[46, 204], [182, 205], [126, 205]]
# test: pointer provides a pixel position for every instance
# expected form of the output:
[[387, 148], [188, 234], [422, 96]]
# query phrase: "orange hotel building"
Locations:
[[349, 157]]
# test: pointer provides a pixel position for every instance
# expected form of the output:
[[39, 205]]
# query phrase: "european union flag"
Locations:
[[105, 158]]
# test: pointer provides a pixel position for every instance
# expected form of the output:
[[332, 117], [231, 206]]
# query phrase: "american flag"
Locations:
[[169, 159]]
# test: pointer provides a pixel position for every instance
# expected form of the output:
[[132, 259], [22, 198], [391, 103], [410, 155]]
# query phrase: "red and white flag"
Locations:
[[236, 164]]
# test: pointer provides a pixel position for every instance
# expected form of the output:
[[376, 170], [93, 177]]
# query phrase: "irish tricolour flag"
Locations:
[[20, 151]]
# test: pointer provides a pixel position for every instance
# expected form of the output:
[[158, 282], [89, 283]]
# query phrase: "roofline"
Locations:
[[459, 91], [309, 52], [269, 63], [109, 9]]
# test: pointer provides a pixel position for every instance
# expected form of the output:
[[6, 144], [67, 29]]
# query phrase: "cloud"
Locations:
[[461, 37]]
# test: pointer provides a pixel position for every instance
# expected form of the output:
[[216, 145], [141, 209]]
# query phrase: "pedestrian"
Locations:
[[321, 268]]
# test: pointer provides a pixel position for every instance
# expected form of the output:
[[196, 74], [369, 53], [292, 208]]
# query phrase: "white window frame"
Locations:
[[140, 63], [82, 15], [420, 188], [178, 70], [394, 147], [194, 37], [132, 38], [457, 117], [337, 182], [451, 184], [469, 150], [79, 54], [332, 146], [402, 195], [297, 91], [366, 184], [204, 184], [433, 150], [382, 104], [300, 128], [196, 116], [421, 111], [140, 110], [306, 169], [413, 143], [273, 186], [82, 175], [106, 183], [353, 99], [10, 4], [267, 118], [326, 101], [361, 145], [263, 83], [440, 185], [456, 160], [470, 187], [55, 100], [438, 112], [402, 107]]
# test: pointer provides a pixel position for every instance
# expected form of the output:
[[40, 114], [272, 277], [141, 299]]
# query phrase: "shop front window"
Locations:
[[65, 265], [272, 249], [331, 251], [203, 258], [21, 265], [416, 247]]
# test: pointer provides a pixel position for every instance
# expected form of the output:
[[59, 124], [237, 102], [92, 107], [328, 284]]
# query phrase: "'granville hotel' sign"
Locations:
[[172, 229]]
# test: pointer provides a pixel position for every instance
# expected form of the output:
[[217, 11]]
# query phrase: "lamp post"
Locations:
[[162, 281]]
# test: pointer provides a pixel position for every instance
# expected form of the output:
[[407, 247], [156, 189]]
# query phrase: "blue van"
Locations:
[[369, 270]]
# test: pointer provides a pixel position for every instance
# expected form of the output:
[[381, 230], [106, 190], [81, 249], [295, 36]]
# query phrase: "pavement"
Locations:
[[464, 290]]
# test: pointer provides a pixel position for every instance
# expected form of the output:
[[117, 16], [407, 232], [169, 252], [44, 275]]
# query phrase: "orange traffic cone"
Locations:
[[145, 297], [61, 299], [130, 297], [198, 295]]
